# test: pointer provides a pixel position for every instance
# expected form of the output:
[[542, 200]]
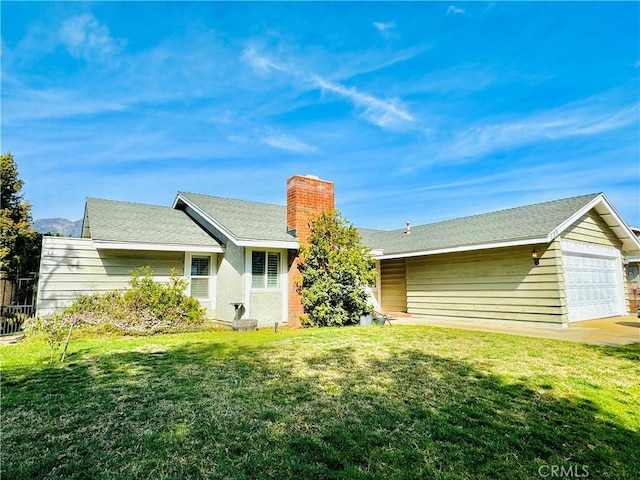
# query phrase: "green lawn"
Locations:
[[378, 402]]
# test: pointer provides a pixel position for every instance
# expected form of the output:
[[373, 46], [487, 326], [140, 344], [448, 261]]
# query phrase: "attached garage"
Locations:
[[550, 263], [593, 281]]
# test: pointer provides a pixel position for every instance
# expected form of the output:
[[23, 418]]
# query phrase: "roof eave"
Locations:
[[464, 248], [164, 247], [629, 240]]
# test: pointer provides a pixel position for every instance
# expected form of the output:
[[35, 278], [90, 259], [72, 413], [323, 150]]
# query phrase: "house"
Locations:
[[552, 263]]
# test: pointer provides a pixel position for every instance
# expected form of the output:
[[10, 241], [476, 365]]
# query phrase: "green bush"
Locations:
[[335, 270], [146, 307]]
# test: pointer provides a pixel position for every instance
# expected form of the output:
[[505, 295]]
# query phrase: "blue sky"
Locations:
[[417, 111]]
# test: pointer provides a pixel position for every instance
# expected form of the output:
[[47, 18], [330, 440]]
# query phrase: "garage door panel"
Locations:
[[593, 285]]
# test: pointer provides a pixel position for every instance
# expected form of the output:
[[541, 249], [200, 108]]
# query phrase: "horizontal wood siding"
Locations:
[[496, 284], [591, 228], [72, 266], [393, 275]]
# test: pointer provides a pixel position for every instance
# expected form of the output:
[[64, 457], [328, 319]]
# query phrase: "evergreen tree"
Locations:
[[335, 269], [19, 250]]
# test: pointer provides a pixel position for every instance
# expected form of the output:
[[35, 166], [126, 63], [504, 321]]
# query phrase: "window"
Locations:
[[200, 271], [265, 270], [633, 274]]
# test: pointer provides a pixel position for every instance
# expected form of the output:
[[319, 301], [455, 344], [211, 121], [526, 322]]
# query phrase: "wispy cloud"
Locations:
[[385, 113], [567, 121], [384, 27], [287, 142], [85, 37], [455, 10]]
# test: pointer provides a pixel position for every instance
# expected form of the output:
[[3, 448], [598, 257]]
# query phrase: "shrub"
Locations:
[[146, 307], [335, 269]]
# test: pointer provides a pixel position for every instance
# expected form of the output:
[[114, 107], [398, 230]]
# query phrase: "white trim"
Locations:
[[284, 284], [600, 200], [591, 249], [294, 244], [466, 248], [213, 274], [204, 215], [268, 244], [164, 247], [247, 277]]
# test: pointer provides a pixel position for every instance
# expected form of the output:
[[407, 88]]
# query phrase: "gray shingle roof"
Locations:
[[116, 221], [514, 224], [245, 220]]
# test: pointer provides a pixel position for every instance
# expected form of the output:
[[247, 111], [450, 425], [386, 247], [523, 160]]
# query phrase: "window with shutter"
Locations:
[[265, 270]]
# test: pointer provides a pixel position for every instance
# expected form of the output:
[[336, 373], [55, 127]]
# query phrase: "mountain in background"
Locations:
[[63, 226]]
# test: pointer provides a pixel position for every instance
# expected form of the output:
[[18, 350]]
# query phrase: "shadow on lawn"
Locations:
[[219, 411]]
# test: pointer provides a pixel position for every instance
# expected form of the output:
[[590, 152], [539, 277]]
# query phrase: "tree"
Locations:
[[336, 268], [18, 239]]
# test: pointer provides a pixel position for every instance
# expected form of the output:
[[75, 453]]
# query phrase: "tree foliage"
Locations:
[[336, 268], [19, 247]]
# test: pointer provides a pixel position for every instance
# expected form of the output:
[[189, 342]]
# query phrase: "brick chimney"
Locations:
[[307, 197]]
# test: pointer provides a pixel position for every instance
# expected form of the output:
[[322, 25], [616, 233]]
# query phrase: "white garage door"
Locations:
[[593, 281]]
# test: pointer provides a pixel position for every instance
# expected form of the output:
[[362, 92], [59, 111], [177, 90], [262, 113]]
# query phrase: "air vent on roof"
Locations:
[[407, 230]]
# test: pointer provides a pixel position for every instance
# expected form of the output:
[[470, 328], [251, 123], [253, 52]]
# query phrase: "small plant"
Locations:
[[52, 327]]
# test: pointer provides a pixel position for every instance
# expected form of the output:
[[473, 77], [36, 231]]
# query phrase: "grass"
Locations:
[[351, 403]]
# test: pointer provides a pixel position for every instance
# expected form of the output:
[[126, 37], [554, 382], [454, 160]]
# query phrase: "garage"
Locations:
[[593, 281]]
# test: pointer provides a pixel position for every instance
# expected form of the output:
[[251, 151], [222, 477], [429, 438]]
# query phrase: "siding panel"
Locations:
[[71, 267], [497, 284], [393, 285]]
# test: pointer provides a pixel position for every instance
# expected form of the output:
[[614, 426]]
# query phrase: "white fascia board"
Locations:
[[573, 218], [599, 200], [106, 245], [226, 232], [465, 248], [293, 245]]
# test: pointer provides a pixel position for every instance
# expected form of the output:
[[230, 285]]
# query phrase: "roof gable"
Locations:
[[536, 223], [244, 222]]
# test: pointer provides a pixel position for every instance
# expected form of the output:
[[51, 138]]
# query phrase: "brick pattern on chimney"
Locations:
[[307, 197]]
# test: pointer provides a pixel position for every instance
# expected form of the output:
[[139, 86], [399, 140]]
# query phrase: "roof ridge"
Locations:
[[588, 195], [231, 199], [138, 204]]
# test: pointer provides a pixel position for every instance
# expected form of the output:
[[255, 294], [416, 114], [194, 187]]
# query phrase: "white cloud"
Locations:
[[289, 143], [384, 28], [384, 113], [567, 121], [455, 10], [84, 37]]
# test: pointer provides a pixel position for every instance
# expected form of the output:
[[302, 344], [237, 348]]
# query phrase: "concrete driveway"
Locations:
[[606, 331]]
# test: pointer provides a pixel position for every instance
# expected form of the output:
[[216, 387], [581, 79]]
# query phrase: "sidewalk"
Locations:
[[606, 331]]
